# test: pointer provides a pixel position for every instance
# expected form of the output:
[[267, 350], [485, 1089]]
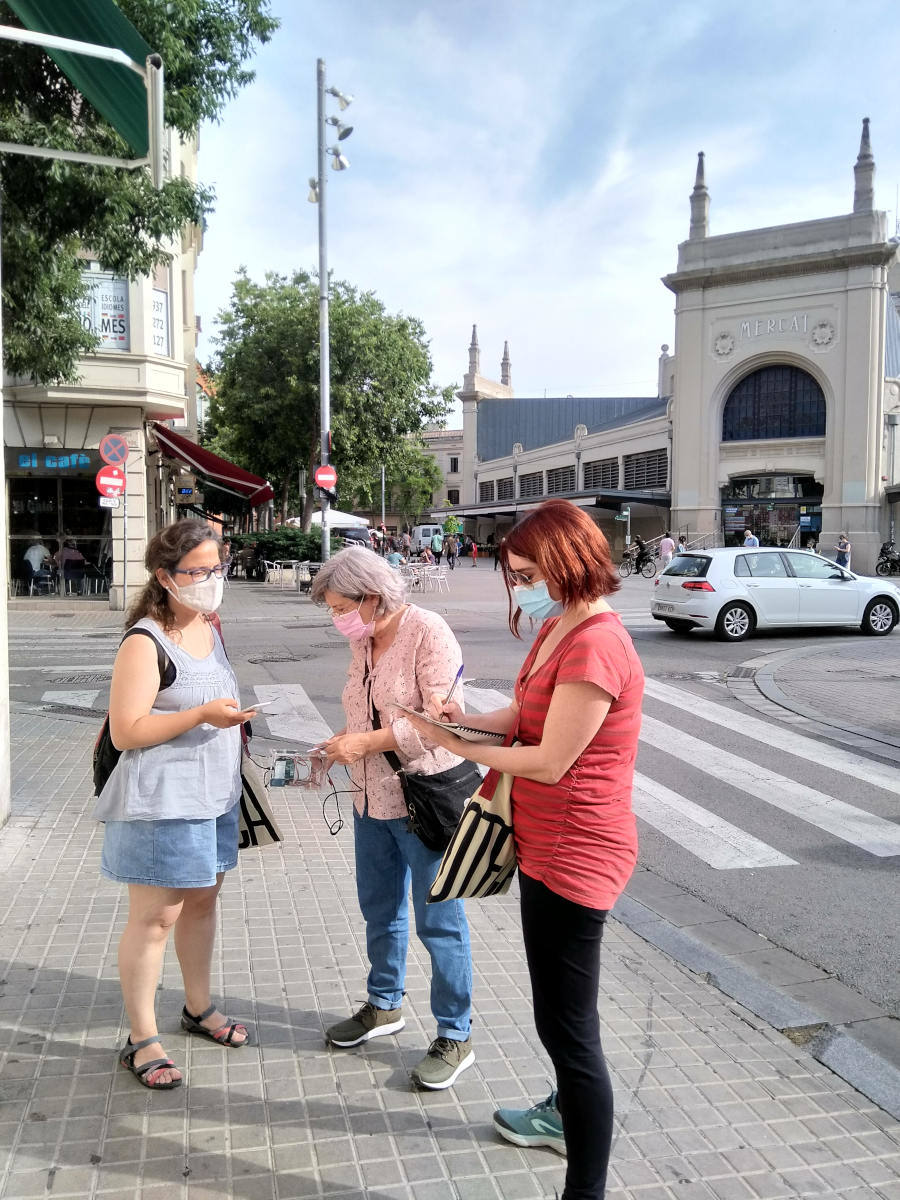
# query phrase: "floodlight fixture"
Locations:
[[338, 162], [313, 196], [343, 101], [343, 131]]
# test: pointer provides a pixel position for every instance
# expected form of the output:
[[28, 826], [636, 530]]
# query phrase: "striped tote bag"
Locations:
[[481, 858]]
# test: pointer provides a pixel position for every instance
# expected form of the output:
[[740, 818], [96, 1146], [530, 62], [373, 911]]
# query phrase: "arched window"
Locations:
[[774, 402]]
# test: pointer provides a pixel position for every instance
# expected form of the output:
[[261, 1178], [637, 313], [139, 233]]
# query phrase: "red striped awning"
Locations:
[[218, 471]]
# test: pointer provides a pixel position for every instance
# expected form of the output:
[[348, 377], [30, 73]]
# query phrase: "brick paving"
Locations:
[[712, 1103]]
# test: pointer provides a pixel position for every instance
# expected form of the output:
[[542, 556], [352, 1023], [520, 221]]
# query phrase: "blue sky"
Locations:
[[526, 166]]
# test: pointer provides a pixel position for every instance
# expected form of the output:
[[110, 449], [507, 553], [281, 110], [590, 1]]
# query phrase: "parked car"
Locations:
[[735, 591], [355, 535]]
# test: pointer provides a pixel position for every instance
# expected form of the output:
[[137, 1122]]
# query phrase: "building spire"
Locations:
[[474, 353], [864, 174], [700, 202], [505, 366]]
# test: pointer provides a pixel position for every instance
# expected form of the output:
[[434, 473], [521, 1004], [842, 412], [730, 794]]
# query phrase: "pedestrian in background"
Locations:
[[666, 549], [400, 654], [682, 544], [577, 714], [474, 551], [750, 538], [843, 548], [451, 549], [171, 805], [437, 546], [497, 555]]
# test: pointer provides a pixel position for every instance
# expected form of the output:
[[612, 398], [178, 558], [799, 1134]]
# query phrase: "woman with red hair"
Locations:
[[576, 716]]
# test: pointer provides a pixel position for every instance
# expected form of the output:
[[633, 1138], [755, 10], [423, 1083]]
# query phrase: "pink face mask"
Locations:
[[352, 626]]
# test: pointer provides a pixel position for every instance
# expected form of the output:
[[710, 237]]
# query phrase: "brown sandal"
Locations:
[[143, 1074], [224, 1035]]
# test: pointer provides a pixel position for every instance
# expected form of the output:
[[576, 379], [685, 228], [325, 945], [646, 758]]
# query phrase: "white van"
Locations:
[[422, 535]]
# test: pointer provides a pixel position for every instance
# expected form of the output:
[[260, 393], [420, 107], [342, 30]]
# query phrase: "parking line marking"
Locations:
[[854, 825], [710, 838], [833, 757]]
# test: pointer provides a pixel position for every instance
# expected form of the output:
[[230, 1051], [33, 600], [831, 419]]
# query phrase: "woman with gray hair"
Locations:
[[400, 655]]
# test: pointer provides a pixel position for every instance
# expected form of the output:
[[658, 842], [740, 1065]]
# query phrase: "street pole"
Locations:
[[324, 347]]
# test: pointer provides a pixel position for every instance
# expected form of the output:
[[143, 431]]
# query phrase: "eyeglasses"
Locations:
[[517, 579], [201, 574], [337, 612]]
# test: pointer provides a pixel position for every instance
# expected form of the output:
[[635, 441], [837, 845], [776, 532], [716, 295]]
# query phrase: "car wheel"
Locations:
[[879, 618], [648, 570], [678, 626], [735, 622]]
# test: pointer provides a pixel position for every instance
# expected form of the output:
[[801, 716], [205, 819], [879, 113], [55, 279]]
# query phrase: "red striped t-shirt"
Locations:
[[578, 836]]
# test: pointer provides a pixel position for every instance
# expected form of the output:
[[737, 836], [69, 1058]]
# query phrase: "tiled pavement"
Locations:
[[712, 1102]]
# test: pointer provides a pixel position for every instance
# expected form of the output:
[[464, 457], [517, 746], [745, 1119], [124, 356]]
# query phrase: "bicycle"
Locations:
[[629, 564]]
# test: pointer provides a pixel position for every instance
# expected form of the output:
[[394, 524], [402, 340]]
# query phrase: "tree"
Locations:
[[54, 211], [267, 406], [452, 524]]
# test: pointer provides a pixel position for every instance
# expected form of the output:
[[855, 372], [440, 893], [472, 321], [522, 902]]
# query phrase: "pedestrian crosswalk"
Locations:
[[687, 729], [723, 785]]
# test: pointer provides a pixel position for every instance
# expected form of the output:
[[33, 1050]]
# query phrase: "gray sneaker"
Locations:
[[368, 1023], [443, 1064]]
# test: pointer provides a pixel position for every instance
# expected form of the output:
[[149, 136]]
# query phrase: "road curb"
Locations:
[[840, 1046]]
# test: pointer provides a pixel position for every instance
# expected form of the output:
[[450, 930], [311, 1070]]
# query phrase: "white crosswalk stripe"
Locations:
[[854, 825], [294, 717], [717, 842], [74, 699], [807, 748]]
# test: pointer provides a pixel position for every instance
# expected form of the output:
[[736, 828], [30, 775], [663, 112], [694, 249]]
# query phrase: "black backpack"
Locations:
[[106, 755]]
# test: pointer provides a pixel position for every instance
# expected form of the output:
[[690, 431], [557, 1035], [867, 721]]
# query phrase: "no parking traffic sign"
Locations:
[[114, 450]]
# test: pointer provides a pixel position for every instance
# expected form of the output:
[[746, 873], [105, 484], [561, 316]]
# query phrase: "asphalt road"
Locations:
[[796, 837]]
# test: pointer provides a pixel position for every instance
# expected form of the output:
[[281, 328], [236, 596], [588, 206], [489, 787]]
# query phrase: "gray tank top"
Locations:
[[196, 775]]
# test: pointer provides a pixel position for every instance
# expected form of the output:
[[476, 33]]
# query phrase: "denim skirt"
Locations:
[[171, 854]]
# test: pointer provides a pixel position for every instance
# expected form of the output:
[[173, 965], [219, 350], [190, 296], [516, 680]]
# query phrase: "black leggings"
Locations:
[[562, 945]]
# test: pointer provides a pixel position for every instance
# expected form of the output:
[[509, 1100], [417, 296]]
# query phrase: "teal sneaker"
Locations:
[[540, 1125]]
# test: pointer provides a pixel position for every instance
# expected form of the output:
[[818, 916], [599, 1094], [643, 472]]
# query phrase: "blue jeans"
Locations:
[[388, 859]]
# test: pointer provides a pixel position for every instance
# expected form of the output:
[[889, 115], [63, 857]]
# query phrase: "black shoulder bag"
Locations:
[[434, 803]]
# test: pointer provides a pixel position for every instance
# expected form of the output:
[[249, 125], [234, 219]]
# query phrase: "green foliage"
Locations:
[[285, 542], [413, 480], [53, 211], [266, 413], [452, 524]]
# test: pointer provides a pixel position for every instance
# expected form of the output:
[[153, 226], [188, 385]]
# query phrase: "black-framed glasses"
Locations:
[[201, 574]]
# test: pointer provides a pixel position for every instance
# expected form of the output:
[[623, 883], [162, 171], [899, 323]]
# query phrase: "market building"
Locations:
[[778, 411]]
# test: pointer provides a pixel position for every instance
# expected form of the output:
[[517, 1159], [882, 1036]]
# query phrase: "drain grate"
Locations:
[[278, 656], [104, 678], [71, 710], [328, 645], [501, 685]]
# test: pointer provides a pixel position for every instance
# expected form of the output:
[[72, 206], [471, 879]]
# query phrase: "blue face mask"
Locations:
[[536, 602]]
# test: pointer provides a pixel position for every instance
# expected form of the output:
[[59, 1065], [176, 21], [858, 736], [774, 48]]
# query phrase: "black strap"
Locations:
[[167, 669], [393, 761]]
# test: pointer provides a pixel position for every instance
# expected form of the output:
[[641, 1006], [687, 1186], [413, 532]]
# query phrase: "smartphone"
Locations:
[[260, 704]]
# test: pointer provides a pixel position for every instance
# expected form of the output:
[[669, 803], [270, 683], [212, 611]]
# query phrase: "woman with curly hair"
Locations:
[[172, 803]]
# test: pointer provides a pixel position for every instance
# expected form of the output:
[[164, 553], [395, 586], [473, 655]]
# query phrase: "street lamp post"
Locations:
[[317, 196]]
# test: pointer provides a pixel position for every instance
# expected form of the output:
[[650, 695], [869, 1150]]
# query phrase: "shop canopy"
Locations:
[[219, 472], [102, 54]]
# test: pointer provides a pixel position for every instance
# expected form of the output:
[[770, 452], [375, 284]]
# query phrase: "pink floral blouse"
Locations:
[[424, 657]]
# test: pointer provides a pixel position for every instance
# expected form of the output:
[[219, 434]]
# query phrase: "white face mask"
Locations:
[[202, 597]]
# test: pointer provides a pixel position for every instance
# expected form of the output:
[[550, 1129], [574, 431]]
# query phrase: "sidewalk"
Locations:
[[712, 1102]]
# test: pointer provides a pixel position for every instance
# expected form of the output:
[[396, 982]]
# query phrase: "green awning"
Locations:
[[116, 92]]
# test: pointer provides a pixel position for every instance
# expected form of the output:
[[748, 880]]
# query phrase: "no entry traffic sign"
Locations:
[[110, 481], [326, 477], [114, 450]]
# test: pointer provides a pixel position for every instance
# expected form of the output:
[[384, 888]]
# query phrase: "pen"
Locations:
[[449, 695]]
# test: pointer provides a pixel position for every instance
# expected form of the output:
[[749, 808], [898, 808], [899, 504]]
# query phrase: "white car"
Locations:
[[734, 591]]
